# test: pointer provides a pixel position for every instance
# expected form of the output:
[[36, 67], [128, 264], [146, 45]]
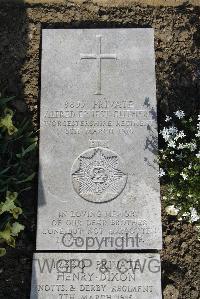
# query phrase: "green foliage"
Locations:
[[18, 143], [180, 167]]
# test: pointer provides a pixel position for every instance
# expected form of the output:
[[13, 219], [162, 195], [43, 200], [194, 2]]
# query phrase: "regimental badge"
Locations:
[[96, 175]]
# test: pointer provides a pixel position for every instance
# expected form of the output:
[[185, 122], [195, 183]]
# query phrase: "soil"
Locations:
[[114, 2], [177, 41]]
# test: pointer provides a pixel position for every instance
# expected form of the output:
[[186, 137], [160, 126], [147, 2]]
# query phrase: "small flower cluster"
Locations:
[[180, 165], [192, 214]]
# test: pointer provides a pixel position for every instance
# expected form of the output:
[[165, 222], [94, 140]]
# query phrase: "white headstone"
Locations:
[[98, 181]]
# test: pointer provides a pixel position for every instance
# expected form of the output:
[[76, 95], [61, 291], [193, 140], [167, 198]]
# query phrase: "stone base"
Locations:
[[96, 276]]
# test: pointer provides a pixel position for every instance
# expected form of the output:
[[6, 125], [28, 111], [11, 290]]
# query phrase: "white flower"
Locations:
[[194, 216], [172, 130], [198, 155], [199, 117], [181, 134], [184, 176], [172, 144], [186, 214], [198, 126], [161, 172], [190, 166], [197, 134], [180, 114], [171, 210], [192, 146], [181, 146], [165, 134], [168, 118]]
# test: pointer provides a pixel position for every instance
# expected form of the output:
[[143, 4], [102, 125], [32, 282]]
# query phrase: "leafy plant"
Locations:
[[18, 143], [180, 167]]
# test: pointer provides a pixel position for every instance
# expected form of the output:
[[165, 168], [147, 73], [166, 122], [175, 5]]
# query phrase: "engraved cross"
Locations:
[[99, 56]]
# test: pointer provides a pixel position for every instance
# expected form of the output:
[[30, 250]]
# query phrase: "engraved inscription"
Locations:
[[98, 183], [96, 276], [99, 117], [99, 56], [96, 175]]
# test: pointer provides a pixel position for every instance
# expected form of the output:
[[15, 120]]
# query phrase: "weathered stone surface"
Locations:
[[98, 183], [92, 276]]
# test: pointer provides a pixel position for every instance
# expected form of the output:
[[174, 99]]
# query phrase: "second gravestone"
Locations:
[[96, 276], [98, 182]]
